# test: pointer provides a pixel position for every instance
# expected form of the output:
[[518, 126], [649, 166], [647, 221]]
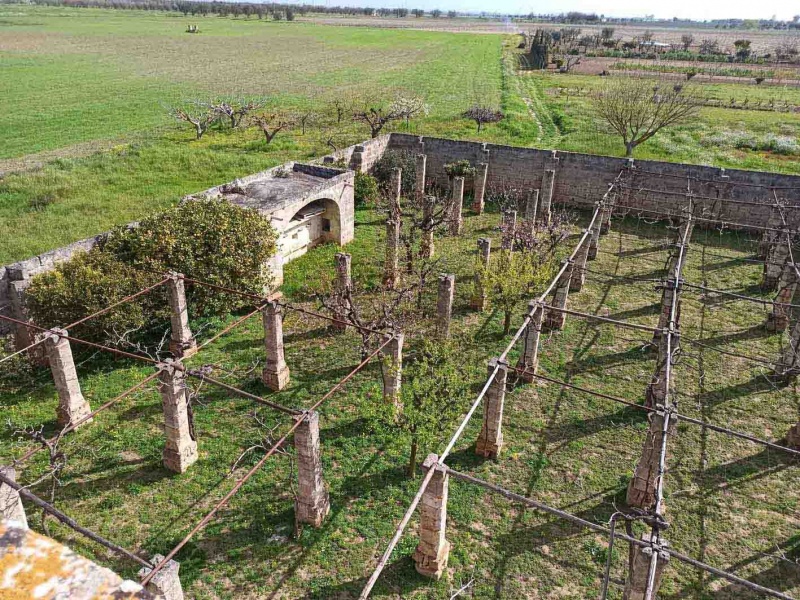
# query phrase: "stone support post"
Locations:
[[778, 319], [773, 265], [181, 343], [594, 239], [342, 283], [444, 305], [481, 173], [789, 362], [395, 191], [531, 207], [419, 181], [579, 268], [670, 292], [639, 572], [545, 204], [642, 487], [529, 359], [793, 437], [770, 235], [391, 268], [606, 212], [433, 549], [554, 319], [275, 374], [72, 406], [312, 504], [393, 369], [166, 583], [180, 450], [10, 503], [426, 244], [479, 296], [509, 226], [490, 439], [656, 393], [457, 206]]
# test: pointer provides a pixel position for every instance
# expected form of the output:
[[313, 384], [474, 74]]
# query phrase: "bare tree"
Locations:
[[198, 114], [638, 108], [271, 123], [236, 110], [377, 113], [483, 114], [687, 39]]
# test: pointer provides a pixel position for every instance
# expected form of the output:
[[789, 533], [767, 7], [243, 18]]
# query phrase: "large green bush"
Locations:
[[210, 240], [365, 190], [402, 159]]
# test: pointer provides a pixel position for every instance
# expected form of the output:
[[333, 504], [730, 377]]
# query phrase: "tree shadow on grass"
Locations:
[[759, 383], [752, 333], [568, 432], [745, 470], [399, 579], [603, 361]]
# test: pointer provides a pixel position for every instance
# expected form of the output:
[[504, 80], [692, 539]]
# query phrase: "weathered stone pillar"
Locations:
[[391, 268], [548, 184], [793, 437], [778, 319], [670, 292], [639, 572], [481, 173], [490, 439], [419, 181], [180, 450], [594, 239], [72, 406], [393, 369], [509, 226], [774, 263], [312, 504], [579, 269], [554, 319], [357, 160], [395, 191], [342, 283], [479, 296], [444, 305], [181, 343], [457, 206], [433, 549], [529, 359], [426, 244], [770, 235], [656, 393], [275, 374], [25, 336], [606, 212], [531, 207], [642, 487], [166, 583], [10, 503], [789, 362]]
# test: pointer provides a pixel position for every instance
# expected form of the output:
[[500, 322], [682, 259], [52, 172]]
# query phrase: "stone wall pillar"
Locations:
[[312, 504], [639, 572], [770, 235], [357, 160], [444, 305], [531, 207], [391, 267], [419, 181], [433, 549], [579, 268], [509, 225], [545, 204], [426, 243], [180, 450], [181, 343], [72, 406], [166, 583], [393, 369], [481, 174], [554, 319], [490, 439], [479, 296], [529, 359], [10, 503], [457, 206], [25, 336], [642, 487], [275, 374], [778, 319], [773, 265], [341, 284]]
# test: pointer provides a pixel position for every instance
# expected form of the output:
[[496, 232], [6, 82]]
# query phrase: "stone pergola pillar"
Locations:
[[275, 374], [793, 437], [594, 239], [778, 319], [23, 336], [72, 406], [11, 507], [579, 268], [479, 296], [457, 206], [606, 212], [481, 173], [181, 343], [642, 487], [656, 393], [789, 361], [770, 235], [531, 207], [342, 283], [433, 549], [393, 369], [395, 190], [391, 268], [490, 439], [529, 359], [312, 504], [554, 319], [639, 572], [166, 583], [426, 243], [509, 225], [548, 184], [180, 450], [776, 259], [670, 293], [444, 305], [419, 181]]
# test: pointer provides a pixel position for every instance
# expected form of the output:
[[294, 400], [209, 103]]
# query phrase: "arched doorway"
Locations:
[[317, 222]]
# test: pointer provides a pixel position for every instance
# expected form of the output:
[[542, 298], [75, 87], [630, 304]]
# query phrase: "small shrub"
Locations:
[[365, 189], [402, 159]]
